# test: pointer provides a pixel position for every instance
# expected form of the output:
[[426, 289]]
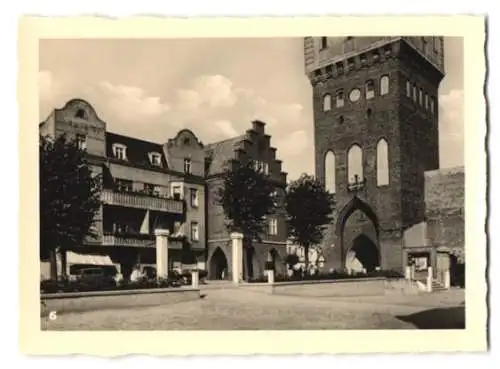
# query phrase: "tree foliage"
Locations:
[[246, 198], [69, 198], [309, 210], [291, 260]]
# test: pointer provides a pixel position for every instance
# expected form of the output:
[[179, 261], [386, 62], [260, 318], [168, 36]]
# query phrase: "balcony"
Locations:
[[356, 184], [142, 201], [136, 240]]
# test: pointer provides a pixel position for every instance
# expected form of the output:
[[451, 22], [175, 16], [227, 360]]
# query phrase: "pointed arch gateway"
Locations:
[[218, 265], [360, 249]]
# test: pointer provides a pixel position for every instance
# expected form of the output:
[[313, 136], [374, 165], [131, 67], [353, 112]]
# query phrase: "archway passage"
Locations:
[[251, 267], [218, 265], [274, 261], [363, 255]]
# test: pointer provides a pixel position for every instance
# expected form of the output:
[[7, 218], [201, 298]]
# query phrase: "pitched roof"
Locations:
[[221, 152], [137, 150]]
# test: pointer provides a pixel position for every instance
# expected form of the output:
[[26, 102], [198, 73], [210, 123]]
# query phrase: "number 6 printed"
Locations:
[[53, 315]]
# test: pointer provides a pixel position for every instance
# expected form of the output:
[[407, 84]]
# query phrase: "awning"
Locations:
[[101, 260]]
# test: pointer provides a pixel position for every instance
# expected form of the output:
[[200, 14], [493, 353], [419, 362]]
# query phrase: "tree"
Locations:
[[309, 210], [69, 199], [291, 260], [247, 200]]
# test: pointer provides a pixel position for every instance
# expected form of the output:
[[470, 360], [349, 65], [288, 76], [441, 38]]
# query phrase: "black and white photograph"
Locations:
[[253, 183]]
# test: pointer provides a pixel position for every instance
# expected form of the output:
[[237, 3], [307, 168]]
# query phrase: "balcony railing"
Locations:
[[139, 240], [142, 201]]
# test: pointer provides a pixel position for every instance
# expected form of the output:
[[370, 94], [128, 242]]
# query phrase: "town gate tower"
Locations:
[[375, 102]]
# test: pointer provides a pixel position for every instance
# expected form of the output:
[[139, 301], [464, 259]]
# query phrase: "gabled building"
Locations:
[[149, 185], [255, 146]]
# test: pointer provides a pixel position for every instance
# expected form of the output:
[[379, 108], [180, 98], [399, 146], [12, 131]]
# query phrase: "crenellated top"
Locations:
[[327, 57]]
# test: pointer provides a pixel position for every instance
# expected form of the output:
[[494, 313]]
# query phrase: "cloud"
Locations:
[[227, 129], [130, 103], [451, 128], [214, 91], [293, 144], [212, 106]]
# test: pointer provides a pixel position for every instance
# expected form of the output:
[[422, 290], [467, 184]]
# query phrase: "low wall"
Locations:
[[336, 288], [87, 301]]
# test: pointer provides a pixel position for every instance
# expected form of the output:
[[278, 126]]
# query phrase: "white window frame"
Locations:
[[153, 156], [194, 203], [116, 147], [273, 226], [195, 231], [188, 164], [81, 141]]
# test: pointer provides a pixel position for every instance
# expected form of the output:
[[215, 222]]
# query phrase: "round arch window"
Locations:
[[354, 95]]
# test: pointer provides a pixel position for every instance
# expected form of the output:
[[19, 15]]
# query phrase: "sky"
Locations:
[[150, 89]]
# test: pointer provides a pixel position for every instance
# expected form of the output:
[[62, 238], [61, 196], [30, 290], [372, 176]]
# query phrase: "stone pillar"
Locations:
[[412, 275], [270, 276], [429, 279], [237, 253], [195, 279], [408, 272], [447, 279], [161, 253]]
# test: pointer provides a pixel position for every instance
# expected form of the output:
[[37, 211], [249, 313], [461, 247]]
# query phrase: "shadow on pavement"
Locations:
[[440, 318]]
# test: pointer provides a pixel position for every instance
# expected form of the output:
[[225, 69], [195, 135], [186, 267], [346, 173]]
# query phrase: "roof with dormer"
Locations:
[[137, 150]]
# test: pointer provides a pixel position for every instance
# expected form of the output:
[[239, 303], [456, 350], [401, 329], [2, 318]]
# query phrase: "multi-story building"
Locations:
[[375, 102], [148, 185], [254, 146]]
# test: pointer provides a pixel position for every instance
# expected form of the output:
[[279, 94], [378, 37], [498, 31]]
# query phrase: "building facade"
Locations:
[[375, 102], [254, 146], [146, 186]]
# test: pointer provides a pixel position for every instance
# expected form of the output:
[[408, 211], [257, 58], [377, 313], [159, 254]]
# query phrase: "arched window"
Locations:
[[384, 85], [324, 43], [426, 102], [415, 93], [80, 113], [432, 104], [339, 101], [330, 182], [382, 163], [354, 164], [327, 102], [408, 88], [370, 89]]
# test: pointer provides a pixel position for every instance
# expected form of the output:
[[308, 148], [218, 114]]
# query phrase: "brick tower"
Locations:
[[375, 102]]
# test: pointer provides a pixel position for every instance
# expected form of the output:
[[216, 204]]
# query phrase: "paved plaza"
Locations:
[[226, 309]]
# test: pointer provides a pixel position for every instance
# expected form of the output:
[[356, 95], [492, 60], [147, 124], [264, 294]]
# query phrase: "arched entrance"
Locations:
[[274, 261], [218, 266], [358, 231], [363, 255], [250, 263]]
